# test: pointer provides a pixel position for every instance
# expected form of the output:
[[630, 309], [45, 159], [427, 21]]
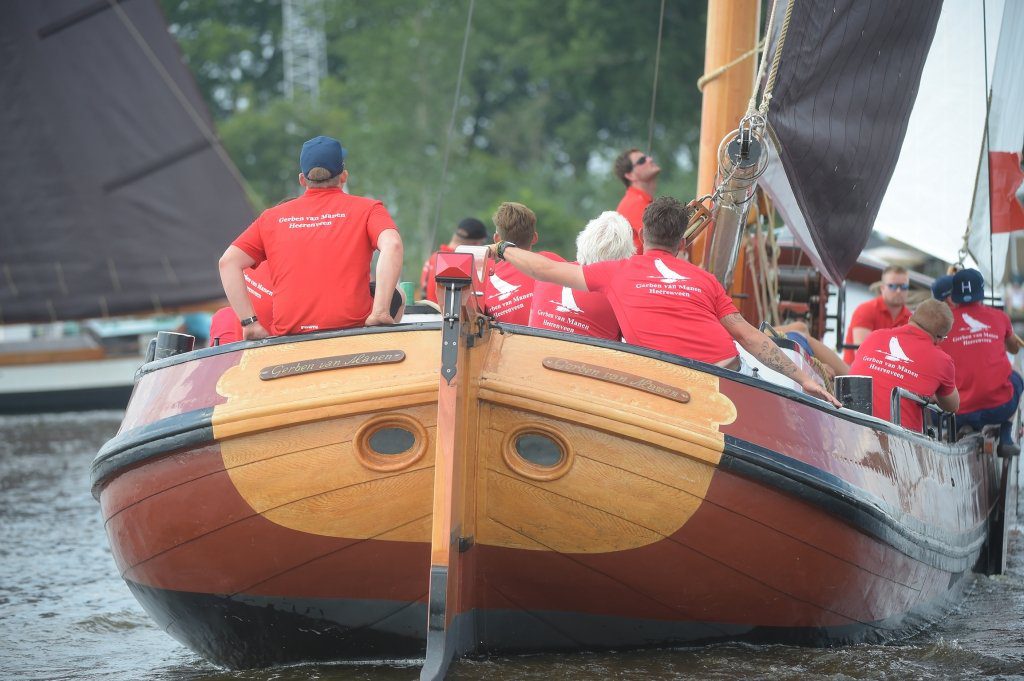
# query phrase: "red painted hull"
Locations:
[[815, 529]]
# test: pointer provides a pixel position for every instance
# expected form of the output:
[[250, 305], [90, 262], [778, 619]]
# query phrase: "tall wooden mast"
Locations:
[[731, 32]]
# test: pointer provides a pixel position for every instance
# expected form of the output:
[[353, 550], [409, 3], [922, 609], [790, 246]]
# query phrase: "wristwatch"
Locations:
[[250, 320], [499, 252]]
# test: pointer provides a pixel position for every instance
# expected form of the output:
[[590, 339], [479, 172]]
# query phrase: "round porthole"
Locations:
[[537, 452], [390, 442]]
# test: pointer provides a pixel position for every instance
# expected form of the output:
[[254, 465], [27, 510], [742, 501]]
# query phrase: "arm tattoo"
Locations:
[[775, 359]]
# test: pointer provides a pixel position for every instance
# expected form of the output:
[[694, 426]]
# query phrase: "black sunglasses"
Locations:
[[640, 161]]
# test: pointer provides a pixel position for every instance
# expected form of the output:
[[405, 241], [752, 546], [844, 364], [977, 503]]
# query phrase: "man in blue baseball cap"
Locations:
[[318, 248], [978, 342]]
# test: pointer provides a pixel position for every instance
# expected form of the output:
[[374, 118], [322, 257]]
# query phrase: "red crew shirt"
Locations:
[[509, 292], [427, 283], [318, 247], [225, 327], [873, 315], [977, 344], [559, 308], [665, 303], [632, 208], [224, 324], [904, 357]]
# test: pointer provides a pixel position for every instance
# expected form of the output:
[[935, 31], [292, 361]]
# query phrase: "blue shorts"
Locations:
[[801, 340]]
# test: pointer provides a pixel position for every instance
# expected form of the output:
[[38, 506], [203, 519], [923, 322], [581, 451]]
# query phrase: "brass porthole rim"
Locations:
[[386, 463], [515, 461]]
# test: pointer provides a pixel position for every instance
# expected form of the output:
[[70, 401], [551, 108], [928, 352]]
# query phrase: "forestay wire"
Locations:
[[654, 86], [451, 127]]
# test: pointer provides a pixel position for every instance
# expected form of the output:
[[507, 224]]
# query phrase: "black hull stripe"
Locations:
[[927, 543], [256, 631], [191, 429]]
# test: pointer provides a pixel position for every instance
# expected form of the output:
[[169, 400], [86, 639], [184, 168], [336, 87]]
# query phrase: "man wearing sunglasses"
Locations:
[[887, 311], [639, 173]]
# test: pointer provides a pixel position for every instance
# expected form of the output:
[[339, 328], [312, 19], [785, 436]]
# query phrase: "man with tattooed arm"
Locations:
[[665, 303]]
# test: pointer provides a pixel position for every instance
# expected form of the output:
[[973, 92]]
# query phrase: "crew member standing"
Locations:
[[887, 311], [981, 336], [639, 173], [909, 357], [318, 248]]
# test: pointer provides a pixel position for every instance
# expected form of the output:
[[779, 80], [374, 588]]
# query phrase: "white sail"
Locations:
[[1006, 130], [929, 198]]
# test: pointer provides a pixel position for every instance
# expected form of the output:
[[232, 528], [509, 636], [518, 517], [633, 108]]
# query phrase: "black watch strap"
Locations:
[[499, 252], [250, 320]]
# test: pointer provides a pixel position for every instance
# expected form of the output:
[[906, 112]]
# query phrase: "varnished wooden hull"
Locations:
[[249, 521]]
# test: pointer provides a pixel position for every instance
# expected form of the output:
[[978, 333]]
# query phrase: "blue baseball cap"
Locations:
[[942, 287], [322, 152], [968, 287]]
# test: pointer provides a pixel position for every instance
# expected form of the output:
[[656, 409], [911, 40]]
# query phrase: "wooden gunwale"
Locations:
[[872, 422], [241, 346]]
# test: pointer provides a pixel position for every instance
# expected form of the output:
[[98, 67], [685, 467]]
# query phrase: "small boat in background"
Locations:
[[75, 366]]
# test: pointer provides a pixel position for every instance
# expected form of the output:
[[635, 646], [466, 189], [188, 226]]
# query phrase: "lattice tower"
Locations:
[[305, 48]]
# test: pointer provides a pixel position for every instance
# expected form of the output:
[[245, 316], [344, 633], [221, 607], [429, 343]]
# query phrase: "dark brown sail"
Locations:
[[117, 196], [847, 80]]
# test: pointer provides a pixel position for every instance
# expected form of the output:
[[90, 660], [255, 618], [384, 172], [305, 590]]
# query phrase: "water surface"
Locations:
[[65, 614]]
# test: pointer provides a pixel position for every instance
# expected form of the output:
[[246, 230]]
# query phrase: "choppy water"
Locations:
[[64, 613]]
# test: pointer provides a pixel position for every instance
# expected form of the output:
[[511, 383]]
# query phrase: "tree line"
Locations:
[[552, 91]]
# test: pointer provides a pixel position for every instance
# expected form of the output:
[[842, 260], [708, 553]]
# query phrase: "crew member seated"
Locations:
[[664, 302], [978, 343], [559, 308], [887, 311], [833, 363], [318, 248], [509, 292], [909, 357], [470, 232], [225, 327]]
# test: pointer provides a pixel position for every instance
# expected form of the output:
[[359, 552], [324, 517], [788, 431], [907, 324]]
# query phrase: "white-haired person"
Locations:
[[662, 301], [609, 236]]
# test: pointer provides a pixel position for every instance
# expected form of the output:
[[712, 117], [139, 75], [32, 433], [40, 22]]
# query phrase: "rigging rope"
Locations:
[[654, 87], [451, 127], [712, 75]]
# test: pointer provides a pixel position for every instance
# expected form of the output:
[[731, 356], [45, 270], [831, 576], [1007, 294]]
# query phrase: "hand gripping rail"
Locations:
[[944, 420]]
